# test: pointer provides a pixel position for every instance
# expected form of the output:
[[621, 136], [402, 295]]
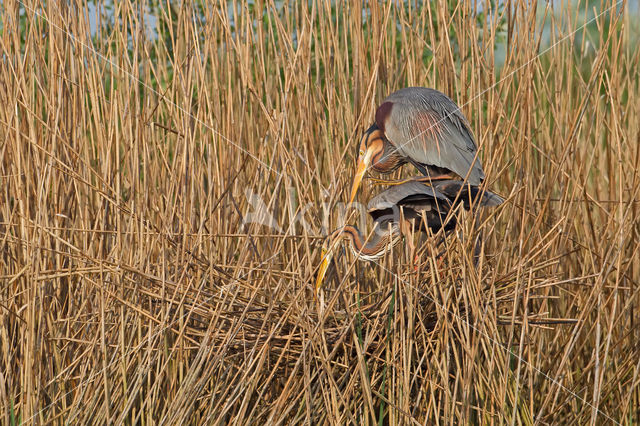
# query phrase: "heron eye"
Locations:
[[361, 153]]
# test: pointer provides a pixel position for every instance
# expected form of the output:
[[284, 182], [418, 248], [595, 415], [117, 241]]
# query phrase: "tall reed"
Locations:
[[169, 171]]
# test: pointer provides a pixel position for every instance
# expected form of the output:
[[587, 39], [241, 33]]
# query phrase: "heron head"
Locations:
[[329, 246], [371, 148], [326, 256]]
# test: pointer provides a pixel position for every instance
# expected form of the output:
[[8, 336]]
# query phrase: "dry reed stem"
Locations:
[[132, 291]]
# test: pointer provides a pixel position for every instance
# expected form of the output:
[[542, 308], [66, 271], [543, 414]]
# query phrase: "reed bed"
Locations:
[[169, 171]]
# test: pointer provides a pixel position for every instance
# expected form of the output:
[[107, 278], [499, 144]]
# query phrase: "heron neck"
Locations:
[[389, 160], [370, 248]]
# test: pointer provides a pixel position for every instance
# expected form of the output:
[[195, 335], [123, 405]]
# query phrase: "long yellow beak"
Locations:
[[363, 164], [326, 258]]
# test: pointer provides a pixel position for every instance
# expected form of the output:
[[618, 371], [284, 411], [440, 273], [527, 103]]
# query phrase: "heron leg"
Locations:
[[428, 179], [409, 238], [423, 179], [432, 248], [378, 181]]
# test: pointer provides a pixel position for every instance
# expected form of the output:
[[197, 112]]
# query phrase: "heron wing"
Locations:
[[408, 191], [428, 127], [468, 193]]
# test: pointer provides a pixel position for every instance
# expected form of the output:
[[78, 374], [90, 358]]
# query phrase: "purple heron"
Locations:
[[408, 207], [423, 127]]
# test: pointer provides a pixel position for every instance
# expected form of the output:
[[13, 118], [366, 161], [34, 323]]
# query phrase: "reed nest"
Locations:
[[168, 173]]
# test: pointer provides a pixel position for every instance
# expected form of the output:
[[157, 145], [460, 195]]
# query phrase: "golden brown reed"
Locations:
[[131, 290]]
